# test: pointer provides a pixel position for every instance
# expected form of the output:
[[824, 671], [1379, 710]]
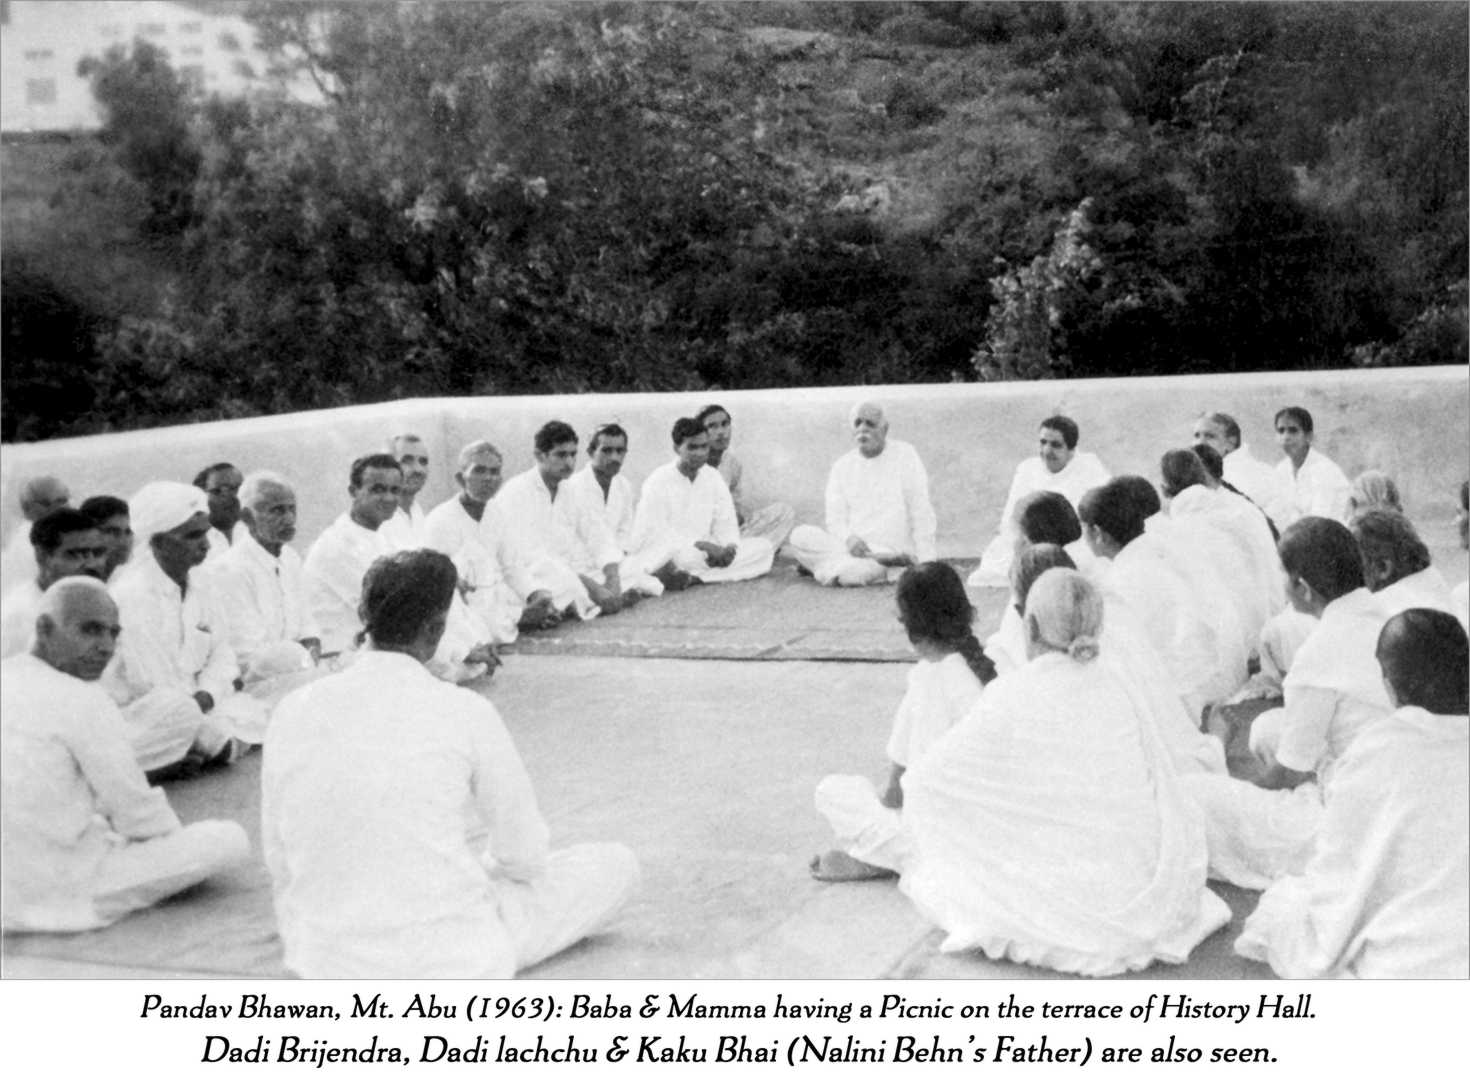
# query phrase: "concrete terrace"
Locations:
[[694, 728]]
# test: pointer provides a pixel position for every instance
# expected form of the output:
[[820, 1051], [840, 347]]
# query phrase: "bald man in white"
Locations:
[[879, 517], [86, 840]]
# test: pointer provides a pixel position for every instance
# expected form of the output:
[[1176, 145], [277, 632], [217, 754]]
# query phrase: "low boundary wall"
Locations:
[[1413, 424]]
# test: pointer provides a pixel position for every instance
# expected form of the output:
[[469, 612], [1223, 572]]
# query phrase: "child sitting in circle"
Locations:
[[942, 686]]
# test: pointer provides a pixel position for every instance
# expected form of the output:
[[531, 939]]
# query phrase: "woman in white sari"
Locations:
[[1047, 825]]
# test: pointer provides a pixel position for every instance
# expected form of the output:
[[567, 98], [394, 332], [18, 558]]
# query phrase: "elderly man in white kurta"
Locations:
[[339, 560], [1314, 485], [603, 491], [570, 549], [1333, 692], [1386, 894], [175, 676], [1059, 467], [399, 826], [85, 839], [686, 509], [1396, 565], [64, 542], [492, 573], [262, 595], [879, 517], [38, 496]]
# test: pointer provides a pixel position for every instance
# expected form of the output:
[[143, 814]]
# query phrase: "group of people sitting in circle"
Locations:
[[1058, 796]]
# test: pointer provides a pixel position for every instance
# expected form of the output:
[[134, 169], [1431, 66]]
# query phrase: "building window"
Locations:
[[39, 54], [40, 91]]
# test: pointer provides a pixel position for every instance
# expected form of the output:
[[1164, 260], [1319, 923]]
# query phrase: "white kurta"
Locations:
[[174, 644], [18, 612], [333, 574], [772, 522], [404, 530], [1318, 489], [557, 537], [674, 513], [1460, 603], [1386, 894], [488, 565], [939, 694], [18, 560], [220, 544], [85, 839], [403, 838], [616, 508], [1079, 476], [1425, 589], [1048, 829], [1260, 483], [262, 598], [1334, 692]]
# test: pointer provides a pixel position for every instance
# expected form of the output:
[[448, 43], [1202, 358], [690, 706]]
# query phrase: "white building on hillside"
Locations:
[[41, 44]]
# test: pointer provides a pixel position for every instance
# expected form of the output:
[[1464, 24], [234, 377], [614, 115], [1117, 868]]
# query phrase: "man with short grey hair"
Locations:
[[86, 839], [38, 496], [1254, 479], [879, 517], [405, 528]]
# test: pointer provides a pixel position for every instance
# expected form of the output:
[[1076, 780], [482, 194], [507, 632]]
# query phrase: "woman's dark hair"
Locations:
[[1046, 517], [1030, 563], [933, 606], [1182, 469], [1425, 656], [403, 591]]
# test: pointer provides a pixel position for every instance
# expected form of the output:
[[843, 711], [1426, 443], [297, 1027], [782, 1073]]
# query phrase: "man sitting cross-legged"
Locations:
[[571, 550], [65, 542], [340, 557], [262, 597], [470, 529], [86, 840], [879, 518], [399, 826], [686, 509], [602, 490], [175, 676], [1386, 894], [773, 521]]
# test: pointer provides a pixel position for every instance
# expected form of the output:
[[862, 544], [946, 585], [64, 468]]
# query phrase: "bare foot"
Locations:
[[837, 865]]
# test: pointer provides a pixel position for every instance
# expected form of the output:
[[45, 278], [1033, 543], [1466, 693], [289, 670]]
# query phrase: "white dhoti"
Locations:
[[165, 725], [582, 887], [564, 585], [1255, 836], [865, 828], [753, 557], [273, 672], [770, 523], [139, 874], [829, 561]]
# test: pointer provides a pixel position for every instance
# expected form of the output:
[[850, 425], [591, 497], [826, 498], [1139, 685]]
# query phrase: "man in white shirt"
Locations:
[[879, 518], [1059, 467], [1314, 485], [775, 521], [571, 551], [405, 528], [341, 556], [493, 575], [1386, 894], [220, 483], [86, 840], [110, 515], [38, 497], [262, 597], [602, 490], [685, 508], [1396, 565], [65, 542], [175, 676], [1254, 479], [398, 823]]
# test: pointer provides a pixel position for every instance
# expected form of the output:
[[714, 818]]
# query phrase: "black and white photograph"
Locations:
[[936, 493]]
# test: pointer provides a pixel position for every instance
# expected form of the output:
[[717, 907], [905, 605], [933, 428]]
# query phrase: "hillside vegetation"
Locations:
[[512, 198]]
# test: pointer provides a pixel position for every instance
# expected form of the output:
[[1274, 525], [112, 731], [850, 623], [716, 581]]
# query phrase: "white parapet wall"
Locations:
[[1414, 424]]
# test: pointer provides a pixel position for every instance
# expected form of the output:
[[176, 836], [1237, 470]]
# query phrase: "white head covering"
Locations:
[[164, 505]]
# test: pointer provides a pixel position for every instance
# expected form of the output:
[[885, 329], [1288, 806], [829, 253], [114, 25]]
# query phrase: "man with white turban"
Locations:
[[175, 676], [86, 840]]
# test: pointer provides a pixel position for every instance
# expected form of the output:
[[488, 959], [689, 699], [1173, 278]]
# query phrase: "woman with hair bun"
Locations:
[[1047, 826], [942, 687]]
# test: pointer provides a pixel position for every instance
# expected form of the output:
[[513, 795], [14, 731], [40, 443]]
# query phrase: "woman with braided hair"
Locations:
[[1047, 827], [942, 687]]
